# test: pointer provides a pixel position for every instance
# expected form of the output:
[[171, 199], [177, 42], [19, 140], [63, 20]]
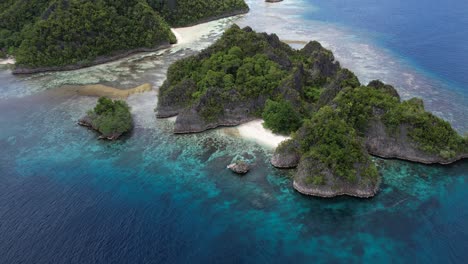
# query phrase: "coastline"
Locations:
[[8, 61], [123, 54], [97, 61], [213, 18], [251, 131], [255, 131]]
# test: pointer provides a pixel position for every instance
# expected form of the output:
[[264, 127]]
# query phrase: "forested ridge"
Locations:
[[334, 121], [50, 33]]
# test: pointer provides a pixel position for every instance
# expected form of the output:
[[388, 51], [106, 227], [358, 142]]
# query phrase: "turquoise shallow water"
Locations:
[[155, 197]]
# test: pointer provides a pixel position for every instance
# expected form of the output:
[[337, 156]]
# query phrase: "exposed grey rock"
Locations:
[[380, 143], [329, 184], [87, 122], [286, 155], [239, 167]]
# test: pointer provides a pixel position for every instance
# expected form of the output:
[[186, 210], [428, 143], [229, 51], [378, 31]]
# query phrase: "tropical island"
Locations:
[[336, 123], [111, 118], [54, 35]]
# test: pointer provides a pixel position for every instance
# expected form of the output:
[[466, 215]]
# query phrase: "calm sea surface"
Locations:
[[154, 197]]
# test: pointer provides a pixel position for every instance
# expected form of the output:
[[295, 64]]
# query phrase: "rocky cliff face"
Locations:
[[286, 155], [315, 179], [88, 122], [399, 146], [321, 69]]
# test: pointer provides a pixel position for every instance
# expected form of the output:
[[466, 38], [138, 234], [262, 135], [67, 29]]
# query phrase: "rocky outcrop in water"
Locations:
[[286, 155], [87, 122], [239, 167], [315, 179], [111, 118], [400, 146]]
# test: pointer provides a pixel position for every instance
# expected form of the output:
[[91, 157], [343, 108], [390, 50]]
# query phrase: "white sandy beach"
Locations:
[[7, 61], [195, 33], [254, 130]]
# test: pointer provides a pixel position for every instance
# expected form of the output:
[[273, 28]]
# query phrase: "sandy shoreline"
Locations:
[[7, 61], [103, 90], [255, 131]]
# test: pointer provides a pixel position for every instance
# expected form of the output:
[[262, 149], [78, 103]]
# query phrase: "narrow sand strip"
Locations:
[[7, 61], [103, 90]]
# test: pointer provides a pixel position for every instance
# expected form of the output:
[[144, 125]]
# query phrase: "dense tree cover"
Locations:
[[226, 76], [79, 31], [187, 12], [432, 134], [242, 65], [305, 92], [111, 117], [281, 117], [330, 139], [16, 15], [46, 33]]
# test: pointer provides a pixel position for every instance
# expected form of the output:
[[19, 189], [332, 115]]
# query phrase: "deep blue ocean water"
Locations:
[[430, 34], [155, 197]]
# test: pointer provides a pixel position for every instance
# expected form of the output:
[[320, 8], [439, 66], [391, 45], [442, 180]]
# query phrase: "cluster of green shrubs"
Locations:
[[111, 117], [281, 117], [46, 33]]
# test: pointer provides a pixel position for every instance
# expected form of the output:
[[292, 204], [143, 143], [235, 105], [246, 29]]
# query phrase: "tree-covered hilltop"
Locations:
[[16, 15], [188, 12], [54, 34], [335, 121], [111, 118], [78, 32]]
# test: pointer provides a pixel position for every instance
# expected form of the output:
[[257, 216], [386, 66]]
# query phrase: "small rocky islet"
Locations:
[[111, 118], [337, 123]]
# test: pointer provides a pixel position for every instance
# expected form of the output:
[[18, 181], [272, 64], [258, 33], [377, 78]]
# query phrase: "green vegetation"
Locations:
[[281, 117], [432, 134], [243, 67], [16, 15], [315, 180], [50, 33], [328, 138], [111, 118], [187, 12], [80, 31], [305, 93]]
